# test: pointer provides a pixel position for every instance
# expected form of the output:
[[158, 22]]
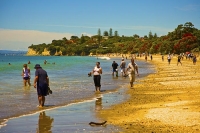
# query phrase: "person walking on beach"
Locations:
[[26, 75], [97, 71], [162, 57], [179, 60], [132, 68], [115, 70], [194, 59], [151, 57], [123, 67], [42, 80], [169, 59], [145, 57]]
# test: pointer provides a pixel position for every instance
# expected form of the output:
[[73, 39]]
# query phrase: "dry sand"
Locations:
[[167, 101]]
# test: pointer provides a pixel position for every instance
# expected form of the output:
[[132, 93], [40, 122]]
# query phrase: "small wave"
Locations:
[[104, 58]]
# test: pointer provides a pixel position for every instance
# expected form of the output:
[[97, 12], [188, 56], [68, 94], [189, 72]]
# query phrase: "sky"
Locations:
[[27, 22]]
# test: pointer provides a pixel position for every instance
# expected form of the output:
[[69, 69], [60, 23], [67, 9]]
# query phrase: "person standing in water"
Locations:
[[41, 81], [123, 67], [114, 67], [132, 68], [97, 71], [26, 75]]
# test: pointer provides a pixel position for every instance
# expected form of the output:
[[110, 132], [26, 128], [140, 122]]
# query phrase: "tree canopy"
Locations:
[[184, 38]]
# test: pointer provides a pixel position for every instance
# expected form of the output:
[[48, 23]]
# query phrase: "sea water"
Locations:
[[68, 76]]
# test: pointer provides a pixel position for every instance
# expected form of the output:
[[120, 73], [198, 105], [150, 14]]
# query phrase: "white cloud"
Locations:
[[85, 34], [21, 39], [189, 7]]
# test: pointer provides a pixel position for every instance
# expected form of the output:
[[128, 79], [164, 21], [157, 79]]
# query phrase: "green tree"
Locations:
[[155, 35], [74, 37], [52, 50], [110, 32], [99, 36], [116, 34], [136, 36], [82, 39], [105, 33], [150, 35]]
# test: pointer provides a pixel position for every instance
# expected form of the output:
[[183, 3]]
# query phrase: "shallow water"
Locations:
[[68, 80], [71, 118]]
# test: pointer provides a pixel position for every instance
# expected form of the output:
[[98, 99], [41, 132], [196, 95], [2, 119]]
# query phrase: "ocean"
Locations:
[[69, 81]]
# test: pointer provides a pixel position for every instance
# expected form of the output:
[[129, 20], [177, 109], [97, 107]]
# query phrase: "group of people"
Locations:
[[131, 69], [41, 82], [179, 58]]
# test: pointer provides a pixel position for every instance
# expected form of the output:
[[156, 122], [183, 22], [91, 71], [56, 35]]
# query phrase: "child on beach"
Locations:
[[26, 75]]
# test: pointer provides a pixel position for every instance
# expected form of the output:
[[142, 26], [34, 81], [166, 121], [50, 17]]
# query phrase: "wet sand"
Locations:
[[167, 101], [67, 119]]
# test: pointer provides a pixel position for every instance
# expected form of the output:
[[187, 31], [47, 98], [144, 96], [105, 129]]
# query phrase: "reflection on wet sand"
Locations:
[[44, 123], [98, 104]]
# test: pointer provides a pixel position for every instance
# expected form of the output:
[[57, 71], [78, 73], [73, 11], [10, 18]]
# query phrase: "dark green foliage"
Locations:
[[52, 50], [184, 38]]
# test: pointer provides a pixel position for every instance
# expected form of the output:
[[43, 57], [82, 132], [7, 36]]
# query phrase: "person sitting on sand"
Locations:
[[132, 68]]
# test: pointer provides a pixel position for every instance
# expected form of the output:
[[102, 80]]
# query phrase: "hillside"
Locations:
[[184, 38]]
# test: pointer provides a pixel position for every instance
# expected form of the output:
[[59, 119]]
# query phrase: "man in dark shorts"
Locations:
[[179, 60], [42, 80], [97, 71], [114, 66]]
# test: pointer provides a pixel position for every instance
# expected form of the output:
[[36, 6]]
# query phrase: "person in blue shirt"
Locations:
[[41, 82]]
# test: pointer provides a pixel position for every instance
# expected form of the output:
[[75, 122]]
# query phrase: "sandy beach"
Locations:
[[167, 101]]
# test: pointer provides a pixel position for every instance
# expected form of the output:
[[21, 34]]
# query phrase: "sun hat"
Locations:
[[37, 66]]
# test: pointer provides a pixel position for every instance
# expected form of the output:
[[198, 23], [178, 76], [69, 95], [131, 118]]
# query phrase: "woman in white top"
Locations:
[[169, 58], [97, 71]]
